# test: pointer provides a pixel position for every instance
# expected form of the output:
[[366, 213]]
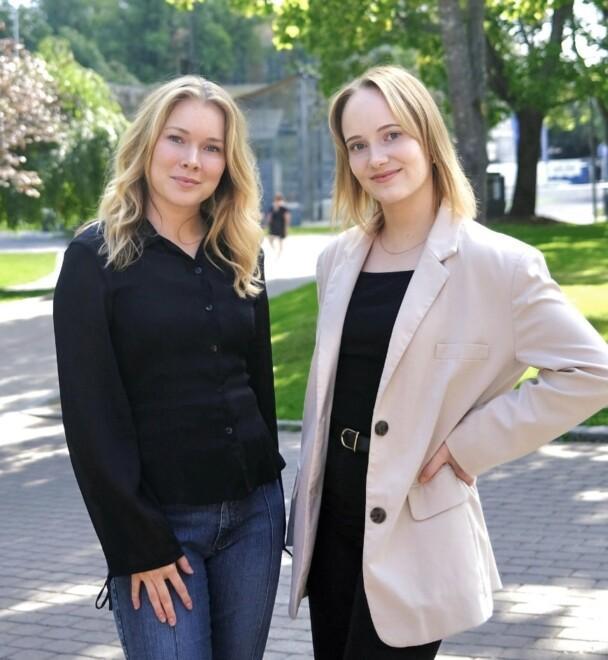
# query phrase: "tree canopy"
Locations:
[[29, 114]]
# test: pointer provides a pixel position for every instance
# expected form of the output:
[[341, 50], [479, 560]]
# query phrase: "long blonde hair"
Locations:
[[231, 214], [418, 114]]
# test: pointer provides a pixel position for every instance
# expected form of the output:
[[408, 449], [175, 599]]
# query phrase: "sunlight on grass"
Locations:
[[23, 267]]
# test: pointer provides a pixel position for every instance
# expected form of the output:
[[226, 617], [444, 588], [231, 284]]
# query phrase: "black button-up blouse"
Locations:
[[166, 390]]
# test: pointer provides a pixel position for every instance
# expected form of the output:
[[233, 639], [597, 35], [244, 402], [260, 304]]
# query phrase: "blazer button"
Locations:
[[381, 427], [377, 515], [198, 270]]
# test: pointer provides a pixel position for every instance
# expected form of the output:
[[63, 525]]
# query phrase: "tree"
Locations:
[[76, 173], [73, 169], [29, 114], [463, 38], [529, 72]]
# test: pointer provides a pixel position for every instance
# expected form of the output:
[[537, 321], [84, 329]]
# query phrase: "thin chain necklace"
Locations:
[[410, 249]]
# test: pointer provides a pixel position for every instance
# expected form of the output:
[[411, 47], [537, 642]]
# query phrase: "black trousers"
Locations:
[[342, 628]]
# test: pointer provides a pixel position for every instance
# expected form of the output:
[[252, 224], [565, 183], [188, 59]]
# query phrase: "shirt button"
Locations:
[[208, 308], [381, 427], [213, 348], [228, 430], [377, 515], [198, 270]]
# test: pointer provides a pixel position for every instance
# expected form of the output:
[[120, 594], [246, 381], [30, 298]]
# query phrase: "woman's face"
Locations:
[[188, 158], [389, 164]]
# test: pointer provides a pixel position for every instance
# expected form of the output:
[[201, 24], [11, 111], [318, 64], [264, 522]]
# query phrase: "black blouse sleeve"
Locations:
[[99, 429], [259, 360]]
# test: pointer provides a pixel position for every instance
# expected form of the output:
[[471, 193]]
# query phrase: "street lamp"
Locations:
[[15, 5]]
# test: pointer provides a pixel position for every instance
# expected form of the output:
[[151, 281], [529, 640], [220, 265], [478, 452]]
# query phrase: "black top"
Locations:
[[278, 224], [366, 333], [367, 330], [166, 389]]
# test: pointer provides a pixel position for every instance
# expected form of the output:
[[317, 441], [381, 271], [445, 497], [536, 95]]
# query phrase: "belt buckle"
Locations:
[[343, 441]]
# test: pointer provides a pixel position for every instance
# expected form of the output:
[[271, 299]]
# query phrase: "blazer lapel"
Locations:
[[338, 292], [428, 280]]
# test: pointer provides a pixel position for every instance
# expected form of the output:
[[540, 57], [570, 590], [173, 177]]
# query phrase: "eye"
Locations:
[[393, 135], [356, 146], [213, 148], [175, 138]]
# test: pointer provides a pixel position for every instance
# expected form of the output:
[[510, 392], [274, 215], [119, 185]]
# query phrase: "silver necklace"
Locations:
[[400, 251]]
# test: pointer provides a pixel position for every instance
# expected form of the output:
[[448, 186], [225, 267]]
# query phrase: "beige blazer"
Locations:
[[480, 308]]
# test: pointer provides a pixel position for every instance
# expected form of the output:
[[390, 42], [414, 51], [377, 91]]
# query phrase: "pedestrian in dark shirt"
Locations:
[[165, 370], [278, 218]]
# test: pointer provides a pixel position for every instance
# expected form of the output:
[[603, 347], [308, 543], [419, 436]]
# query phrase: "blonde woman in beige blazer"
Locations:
[[427, 320]]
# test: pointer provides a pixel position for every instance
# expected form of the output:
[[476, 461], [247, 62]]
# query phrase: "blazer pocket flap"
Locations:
[[462, 351], [444, 491]]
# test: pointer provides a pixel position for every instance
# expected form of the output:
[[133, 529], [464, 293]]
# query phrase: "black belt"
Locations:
[[350, 439]]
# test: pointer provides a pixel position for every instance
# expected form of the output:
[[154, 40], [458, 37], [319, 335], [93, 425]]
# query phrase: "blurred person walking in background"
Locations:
[[278, 219]]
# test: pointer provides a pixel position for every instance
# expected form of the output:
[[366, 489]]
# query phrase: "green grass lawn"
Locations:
[[23, 267], [298, 230], [577, 257]]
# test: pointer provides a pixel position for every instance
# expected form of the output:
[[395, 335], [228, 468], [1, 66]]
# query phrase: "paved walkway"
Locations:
[[547, 514]]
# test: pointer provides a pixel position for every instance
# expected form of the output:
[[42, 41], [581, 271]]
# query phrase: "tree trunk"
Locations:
[[463, 44], [530, 122]]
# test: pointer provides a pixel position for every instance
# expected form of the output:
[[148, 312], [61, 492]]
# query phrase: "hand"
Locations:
[[155, 582], [443, 457]]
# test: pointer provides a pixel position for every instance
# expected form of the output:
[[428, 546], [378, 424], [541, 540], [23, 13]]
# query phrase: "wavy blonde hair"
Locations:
[[231, 214], [418, 114]]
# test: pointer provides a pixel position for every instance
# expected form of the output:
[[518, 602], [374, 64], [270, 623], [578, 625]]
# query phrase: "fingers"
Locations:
[[432, 467], [443, 457], [155, 582], [166, 602], [461, 474], [184, 565], [182, 592], [135, 588], [155, 599]]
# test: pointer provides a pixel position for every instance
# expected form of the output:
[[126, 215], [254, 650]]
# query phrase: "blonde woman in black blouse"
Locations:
[[163, 347]]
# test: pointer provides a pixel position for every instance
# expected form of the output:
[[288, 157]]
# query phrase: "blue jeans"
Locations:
[[234, 549]]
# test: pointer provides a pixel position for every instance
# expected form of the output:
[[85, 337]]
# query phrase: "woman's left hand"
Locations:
[[443, 457]]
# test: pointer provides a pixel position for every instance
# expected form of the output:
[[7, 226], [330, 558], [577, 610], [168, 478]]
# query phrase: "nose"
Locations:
[[377, 156], [191, 160]]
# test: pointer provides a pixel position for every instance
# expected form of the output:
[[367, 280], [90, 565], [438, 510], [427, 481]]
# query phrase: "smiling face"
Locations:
[[188, 159], [389, 164]]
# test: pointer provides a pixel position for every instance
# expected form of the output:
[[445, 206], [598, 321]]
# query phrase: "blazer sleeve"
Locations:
[[99, 429], [259, 361], [572, 383]]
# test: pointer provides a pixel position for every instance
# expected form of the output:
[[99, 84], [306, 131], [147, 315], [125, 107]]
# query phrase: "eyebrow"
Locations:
[[381, 128], [185, 132]]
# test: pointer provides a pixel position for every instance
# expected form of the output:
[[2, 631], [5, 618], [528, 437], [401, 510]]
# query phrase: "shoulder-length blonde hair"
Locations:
[[418, 114], [231, 214]]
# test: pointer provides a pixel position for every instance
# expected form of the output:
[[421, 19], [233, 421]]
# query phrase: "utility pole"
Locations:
[[15, 9], [592, 160]]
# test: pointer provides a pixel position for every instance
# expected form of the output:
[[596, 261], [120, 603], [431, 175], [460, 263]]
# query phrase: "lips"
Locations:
[[185, 180], [385, 176]]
